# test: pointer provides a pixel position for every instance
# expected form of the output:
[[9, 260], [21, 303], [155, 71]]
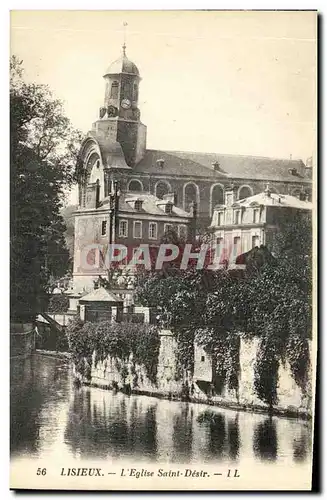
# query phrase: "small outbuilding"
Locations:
[[101, 305]]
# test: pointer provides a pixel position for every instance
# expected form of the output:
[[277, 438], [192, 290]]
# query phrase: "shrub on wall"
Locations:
[[117, 340]]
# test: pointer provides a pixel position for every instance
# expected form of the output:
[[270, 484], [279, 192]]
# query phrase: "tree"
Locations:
[[43, 152]]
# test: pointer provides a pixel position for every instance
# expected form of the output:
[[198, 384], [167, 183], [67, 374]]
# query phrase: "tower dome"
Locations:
[[122, 66]]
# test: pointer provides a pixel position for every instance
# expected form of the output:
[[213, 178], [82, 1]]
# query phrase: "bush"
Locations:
[[118, 340]]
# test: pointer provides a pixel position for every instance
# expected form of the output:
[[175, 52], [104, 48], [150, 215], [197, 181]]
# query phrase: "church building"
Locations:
[[115, 151]]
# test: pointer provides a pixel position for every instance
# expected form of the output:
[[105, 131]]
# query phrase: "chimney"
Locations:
[[160, 163], [216, 166], [290, 156], [267, 191]]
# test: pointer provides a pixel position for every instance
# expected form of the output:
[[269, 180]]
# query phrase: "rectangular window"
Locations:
[[236, 217], [236, 246], [153, 230], [138, 205], [203, 358], [255, 241], [123, 228], [137, 229], [104, 228], [168, 227], [182, 231], [220, 218], [255, 216], [219, 249]]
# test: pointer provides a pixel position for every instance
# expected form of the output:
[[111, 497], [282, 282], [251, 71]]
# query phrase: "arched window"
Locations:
[[190, 195], [135, 92], [114, 90], [216, 196], [135, 185], [244, 192], [161, 189]]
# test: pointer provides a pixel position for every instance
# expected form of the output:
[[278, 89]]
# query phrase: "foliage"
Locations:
[[270, 300], [266, 370], [185, 352], [69, 220], [118, 340], [43, 148], [58, 303]]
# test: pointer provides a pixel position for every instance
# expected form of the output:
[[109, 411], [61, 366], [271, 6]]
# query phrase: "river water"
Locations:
[[51, 417]]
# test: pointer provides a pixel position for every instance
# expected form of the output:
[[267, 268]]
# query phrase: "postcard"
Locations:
[[163, 194]]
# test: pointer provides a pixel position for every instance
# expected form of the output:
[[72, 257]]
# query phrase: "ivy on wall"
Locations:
[[270, 300], [117, 340]]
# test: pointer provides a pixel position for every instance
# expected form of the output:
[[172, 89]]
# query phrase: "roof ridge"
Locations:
[[169, 151]]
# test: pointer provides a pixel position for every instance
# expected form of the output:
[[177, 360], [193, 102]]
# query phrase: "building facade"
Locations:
[[127, 219], [240, 225], [114, 151], [117, 146]]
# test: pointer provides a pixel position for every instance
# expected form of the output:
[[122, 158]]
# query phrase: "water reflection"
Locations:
[[222, 430], [301, 445], [265, 440], [50, 416]]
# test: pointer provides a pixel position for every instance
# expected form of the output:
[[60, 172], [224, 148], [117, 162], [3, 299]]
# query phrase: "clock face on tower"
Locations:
[[126, 104]]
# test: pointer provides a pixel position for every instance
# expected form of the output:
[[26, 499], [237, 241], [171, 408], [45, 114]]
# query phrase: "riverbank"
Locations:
[[250, 408], [51, 418]]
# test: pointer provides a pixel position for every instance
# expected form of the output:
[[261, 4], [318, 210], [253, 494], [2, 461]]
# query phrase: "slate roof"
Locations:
[[275, 200], [230, 166], [149, 205], [100, 295]]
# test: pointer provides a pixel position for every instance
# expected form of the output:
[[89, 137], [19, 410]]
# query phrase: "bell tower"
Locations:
[[119, 117]]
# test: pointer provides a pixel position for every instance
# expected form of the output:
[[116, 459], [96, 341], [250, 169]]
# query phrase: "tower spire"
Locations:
[[124, 44]]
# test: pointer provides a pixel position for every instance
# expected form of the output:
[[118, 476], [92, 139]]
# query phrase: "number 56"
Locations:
[[41, 472]]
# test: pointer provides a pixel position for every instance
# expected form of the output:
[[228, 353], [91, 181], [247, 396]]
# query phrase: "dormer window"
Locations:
[[256, 215], [220, 218], [168, 208], [237, 216], [138, 205], [160, 163]]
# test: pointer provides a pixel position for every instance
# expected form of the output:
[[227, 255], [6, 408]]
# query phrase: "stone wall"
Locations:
[[113, 373], [291, 398]]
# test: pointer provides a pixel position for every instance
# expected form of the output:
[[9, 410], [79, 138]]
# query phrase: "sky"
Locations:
[[224, 82]]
